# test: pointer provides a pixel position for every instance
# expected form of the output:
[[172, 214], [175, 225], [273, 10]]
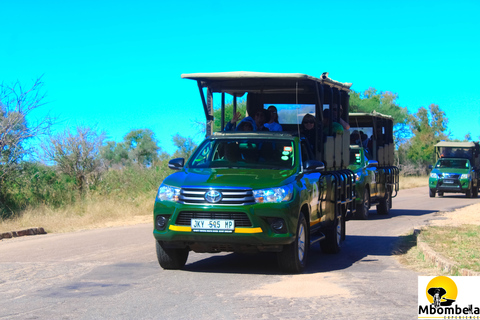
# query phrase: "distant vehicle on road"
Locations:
[[371, 159], [457, 169]]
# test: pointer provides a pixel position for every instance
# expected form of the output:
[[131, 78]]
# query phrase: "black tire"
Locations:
[[293, 257], [469, 193], [364, 207], [432, 192], [334, 237], [384, 204], [475, 192], [171, 258], [440, 194]]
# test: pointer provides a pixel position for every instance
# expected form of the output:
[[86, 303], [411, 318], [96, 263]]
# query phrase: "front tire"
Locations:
[[384, 204], [468, 194], [364, 207], [335, 236], [171, 258], [293, 257], [431, 193]]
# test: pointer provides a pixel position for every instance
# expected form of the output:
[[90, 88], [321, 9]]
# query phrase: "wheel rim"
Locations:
[[339, 231], [365, 202], [301, 243]]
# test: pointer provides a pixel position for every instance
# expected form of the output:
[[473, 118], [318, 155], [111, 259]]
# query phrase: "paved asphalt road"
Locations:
[[113, 274]]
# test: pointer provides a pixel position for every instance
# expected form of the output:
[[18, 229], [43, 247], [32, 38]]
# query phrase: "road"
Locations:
[[113, 274]]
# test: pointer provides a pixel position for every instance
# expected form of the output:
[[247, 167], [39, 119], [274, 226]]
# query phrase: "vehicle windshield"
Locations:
[[448, 163], [244, 153]]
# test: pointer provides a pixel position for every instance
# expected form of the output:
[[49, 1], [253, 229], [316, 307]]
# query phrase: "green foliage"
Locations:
[[138, 147], [384, 102], [142, 146], [185, 146], [217, 113], [35, 184], [132, 180], [427, 127]]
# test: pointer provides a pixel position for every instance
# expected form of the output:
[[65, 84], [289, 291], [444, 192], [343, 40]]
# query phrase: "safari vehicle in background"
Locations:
[[253, 192], [371, 159], [456, 169]]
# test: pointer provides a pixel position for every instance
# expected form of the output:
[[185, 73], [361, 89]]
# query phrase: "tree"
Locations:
[[76, 154], [138, 146], [114, 153], [217, 113], [16, 124], [428, 127], [142, 146], [185, 146], [384, 102]]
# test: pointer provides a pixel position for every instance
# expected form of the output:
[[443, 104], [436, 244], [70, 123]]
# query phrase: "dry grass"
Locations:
[[456, 236], [413, 182], [459, 244], [91, 213]]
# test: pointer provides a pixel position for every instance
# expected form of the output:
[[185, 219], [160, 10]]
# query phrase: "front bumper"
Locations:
[[449, 185], [253, 232]]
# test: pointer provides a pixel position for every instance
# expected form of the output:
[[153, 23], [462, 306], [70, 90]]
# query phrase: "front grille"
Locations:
[[448, 175], [240, 218], [230, 196]]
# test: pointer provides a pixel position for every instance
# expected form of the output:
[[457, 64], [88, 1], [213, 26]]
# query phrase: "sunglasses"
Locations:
[[309, 122]]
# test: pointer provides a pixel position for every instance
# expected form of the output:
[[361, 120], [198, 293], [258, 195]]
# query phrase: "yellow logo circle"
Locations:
[[441, 290]]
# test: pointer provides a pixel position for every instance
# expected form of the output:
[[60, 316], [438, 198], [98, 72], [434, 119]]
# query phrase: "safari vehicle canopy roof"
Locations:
[[239, 82], [273, 88], [372, 114], [452, 144]]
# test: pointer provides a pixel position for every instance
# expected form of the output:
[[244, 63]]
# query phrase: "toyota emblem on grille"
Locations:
[[213, 196]]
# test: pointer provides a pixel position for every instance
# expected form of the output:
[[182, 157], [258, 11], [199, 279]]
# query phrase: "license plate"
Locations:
[[212, 225], [447, 181]]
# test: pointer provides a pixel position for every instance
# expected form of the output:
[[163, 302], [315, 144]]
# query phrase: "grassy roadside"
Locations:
[[99, 212], [456, 237]]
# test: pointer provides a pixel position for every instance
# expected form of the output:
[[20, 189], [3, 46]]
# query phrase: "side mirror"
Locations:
[[372, 163], [176, 164], [314, 165], [430, 167]]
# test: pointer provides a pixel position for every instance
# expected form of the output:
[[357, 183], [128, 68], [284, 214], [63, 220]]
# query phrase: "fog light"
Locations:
[[161, 222], [278, 225]]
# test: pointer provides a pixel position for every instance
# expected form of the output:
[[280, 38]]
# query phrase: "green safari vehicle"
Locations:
[[258, 191]]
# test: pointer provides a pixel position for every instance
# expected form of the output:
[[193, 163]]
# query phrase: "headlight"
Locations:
[[273, 195], [358, 176], [433, 175], [465, 176], [168, 193]]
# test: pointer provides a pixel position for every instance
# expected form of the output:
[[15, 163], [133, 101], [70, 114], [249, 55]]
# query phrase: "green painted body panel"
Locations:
[[305, 198]]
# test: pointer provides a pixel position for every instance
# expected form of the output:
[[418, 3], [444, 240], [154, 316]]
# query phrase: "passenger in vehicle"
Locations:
[[235, 118], [337, 128], [342, 122], [308, 129], [273, 124], [245, 126], [257, 122], [261, 117]]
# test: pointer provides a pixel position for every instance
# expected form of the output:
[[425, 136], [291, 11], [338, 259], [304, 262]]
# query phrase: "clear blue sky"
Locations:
[[118, 63]]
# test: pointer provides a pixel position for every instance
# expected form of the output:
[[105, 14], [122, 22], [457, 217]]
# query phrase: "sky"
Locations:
[[117, 65]]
